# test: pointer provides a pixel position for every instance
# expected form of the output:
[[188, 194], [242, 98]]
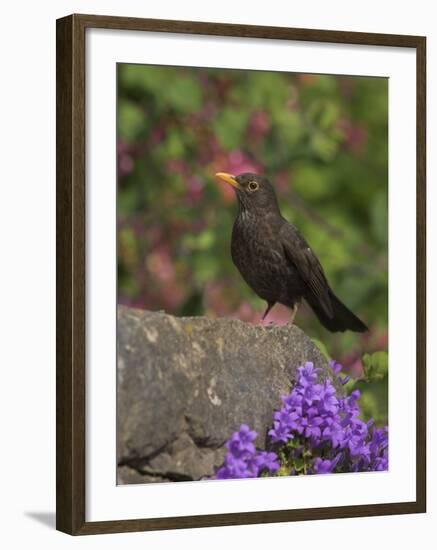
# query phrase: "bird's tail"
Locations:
[[342, 318]]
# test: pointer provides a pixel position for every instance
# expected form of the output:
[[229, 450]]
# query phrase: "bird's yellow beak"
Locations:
[[228, 178]]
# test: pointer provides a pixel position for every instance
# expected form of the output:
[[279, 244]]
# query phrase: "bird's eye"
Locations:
[[253, 186]]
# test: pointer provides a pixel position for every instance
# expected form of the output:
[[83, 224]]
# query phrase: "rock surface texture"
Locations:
[[185, 384]]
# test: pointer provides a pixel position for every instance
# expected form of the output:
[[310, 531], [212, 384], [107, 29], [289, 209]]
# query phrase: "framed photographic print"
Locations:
[[240, 274]]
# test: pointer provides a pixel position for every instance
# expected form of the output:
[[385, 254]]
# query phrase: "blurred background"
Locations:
[[323, 142]]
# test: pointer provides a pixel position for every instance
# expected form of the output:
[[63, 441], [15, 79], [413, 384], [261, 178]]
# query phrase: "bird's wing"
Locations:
[[308, 266]]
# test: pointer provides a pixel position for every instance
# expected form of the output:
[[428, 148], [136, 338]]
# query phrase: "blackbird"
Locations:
[[276, 261]]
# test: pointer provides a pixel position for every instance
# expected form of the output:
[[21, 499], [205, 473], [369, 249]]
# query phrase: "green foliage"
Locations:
[[375, 366], [373, 386], [323, 349], [374, 402], [321, 139]]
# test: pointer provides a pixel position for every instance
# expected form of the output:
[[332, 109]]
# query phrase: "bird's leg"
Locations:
[[269, 307], [293, 314]]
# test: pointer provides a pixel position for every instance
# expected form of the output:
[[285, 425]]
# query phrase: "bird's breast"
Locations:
[[258, 254]]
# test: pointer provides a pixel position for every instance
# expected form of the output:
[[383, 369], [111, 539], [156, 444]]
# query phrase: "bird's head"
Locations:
[[254, 192]]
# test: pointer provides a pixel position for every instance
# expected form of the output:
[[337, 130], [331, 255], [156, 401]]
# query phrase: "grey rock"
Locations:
[[185, 384], [127, 475]]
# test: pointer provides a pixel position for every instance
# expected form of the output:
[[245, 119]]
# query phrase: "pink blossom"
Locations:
[[282, 181], [176, 166], [259, 124], [195, 191], [157, 134], [355, 135], [125, 161], [239, 162], [159, 263]]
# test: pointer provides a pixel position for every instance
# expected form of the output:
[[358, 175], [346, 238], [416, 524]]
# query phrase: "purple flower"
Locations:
[[266, 461], [307, 374], [311, 424], [379, 441], [325, 466], [280, 432], [333, 432], [337, 368], [326, 430], [241, 441], [328, 398], [380, 463], [243, 460]]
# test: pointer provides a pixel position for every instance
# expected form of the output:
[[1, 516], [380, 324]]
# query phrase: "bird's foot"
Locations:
[[266, 312], [293, 315]]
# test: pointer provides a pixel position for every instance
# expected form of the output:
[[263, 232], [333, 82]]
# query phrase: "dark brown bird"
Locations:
[[276, 261]]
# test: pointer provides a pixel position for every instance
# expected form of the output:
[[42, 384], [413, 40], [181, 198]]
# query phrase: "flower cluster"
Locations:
[[315, 432], [329, 425], [243, 460]]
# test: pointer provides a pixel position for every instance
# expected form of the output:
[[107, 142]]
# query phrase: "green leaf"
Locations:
[[230, 127], [283, 471], [379, 215], [322, 348], [310, 182], [205, 240], [130, 120], [183, 95], [173, 146], [205, 268], [293, 443], [323, 146], [375, 366], [299, 464]]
